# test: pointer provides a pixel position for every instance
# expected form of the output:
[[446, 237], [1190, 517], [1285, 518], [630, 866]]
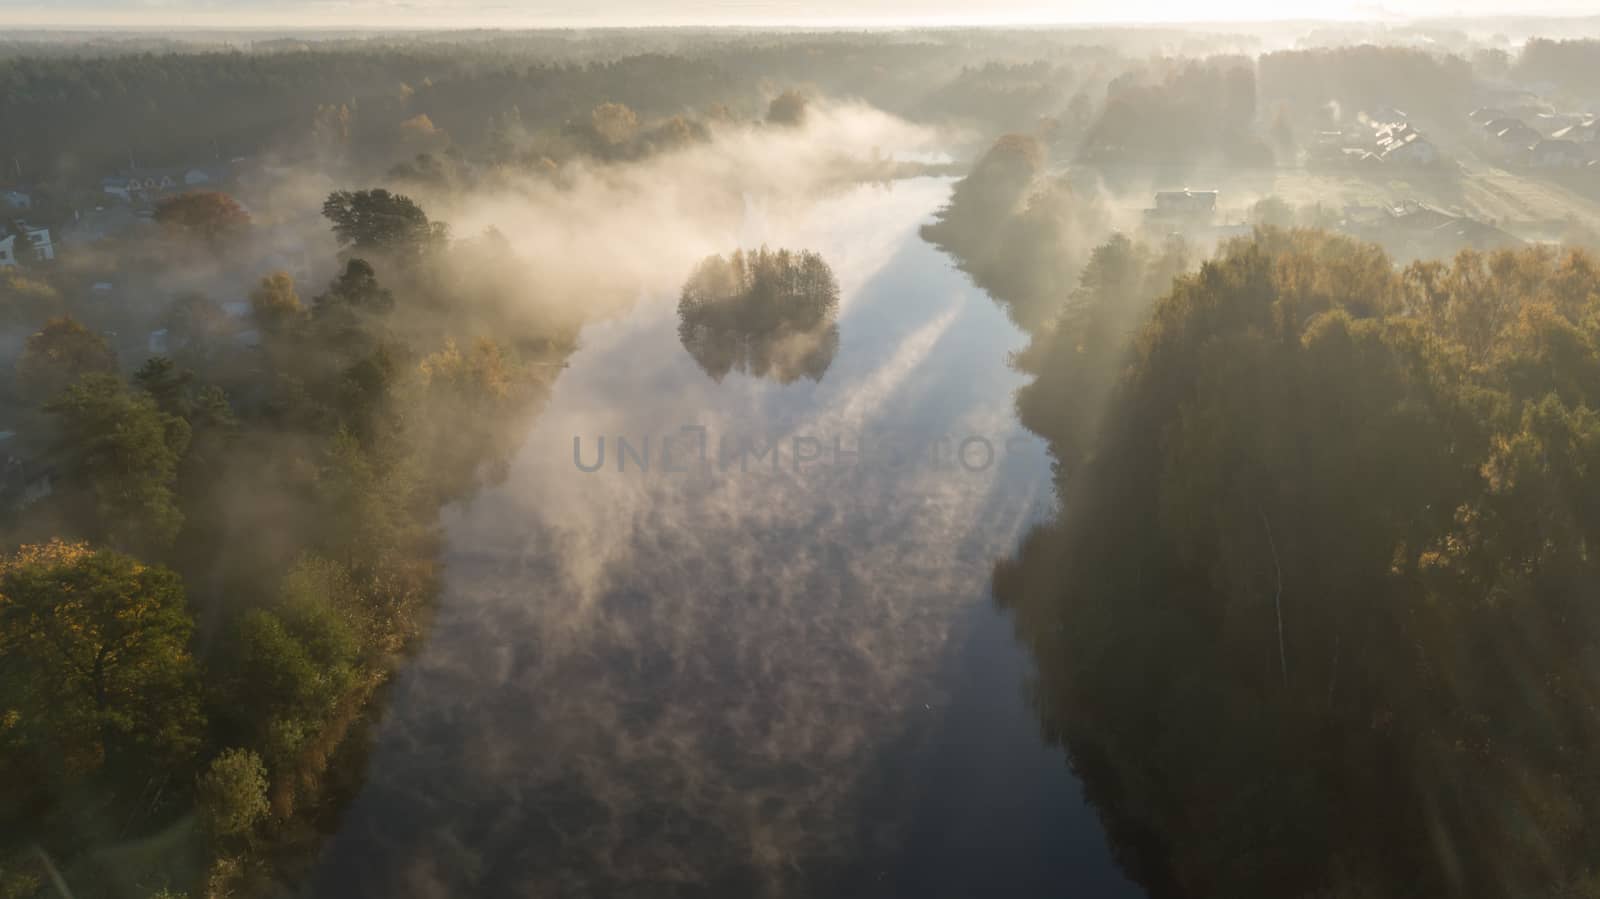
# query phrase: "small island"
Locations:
[[769, 314]]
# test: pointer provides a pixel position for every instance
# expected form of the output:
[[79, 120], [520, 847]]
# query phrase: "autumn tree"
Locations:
[[1325, 570], [26, 300], [420, 131], [203, 215], [96, 658], [614, 123], [275, 303], [60, 353]]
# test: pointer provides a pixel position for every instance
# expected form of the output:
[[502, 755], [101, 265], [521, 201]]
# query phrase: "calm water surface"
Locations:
[[742, 683]]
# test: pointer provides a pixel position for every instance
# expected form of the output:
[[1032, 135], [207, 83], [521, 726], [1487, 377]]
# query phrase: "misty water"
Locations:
[[730, 679]]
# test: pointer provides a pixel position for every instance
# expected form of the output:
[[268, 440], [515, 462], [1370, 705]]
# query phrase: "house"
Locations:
[[15, 200], [1416, 216], [1188, 212], [1558, 154], [1414, 230], [40, 247], [1494, 126], [33, 243], [1389, 115], [1413, 149], [144, 185], [1513, 141], [1583, 132], [1551, 122], [1357, 157], [1401, 143], [139, 186], [1185, 204]]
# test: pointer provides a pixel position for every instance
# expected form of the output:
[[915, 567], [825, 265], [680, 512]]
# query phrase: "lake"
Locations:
[[751, 675]]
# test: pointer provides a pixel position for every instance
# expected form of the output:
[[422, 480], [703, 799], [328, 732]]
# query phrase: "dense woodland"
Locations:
[[1321, 595], [1315, 616]]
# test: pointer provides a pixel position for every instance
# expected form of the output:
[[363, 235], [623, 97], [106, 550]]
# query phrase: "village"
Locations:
[[1514, 173]]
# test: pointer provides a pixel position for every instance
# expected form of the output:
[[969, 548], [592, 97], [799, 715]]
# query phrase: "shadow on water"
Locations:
[[997, 812]]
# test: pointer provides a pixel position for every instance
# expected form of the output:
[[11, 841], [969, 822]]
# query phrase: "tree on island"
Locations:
[[769, 314]]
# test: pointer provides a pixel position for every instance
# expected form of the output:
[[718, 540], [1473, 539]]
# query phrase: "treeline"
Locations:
[[1318, 617], [1568, 64], [1179, 114], [68, 119], [87, 118], [77, 119], [1021, 234], [231, 557], [1364, 79]]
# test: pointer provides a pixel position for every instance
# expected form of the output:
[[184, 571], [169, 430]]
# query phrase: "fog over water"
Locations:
[[727, 680]]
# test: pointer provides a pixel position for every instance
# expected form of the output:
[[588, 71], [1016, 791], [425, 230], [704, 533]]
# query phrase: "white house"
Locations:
[[1404, 144], [35, 244], [1184, 203], [1585, 135], [1558, 154], [142, 185], [139, 185], [40, 244], [1513, 141]]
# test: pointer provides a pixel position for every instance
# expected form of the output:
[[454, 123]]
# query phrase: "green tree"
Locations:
[[377, 221], [276, 304], [231, 796], [292, 664], [213, 428], [96, 657], [118, 457]]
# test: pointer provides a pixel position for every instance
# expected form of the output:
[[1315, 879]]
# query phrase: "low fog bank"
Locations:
[[640, 678], [596, 236]]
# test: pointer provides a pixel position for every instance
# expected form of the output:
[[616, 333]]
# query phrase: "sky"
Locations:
[[619, 13]]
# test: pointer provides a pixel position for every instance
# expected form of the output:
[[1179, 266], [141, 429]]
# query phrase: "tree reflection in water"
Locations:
[[763, 313]]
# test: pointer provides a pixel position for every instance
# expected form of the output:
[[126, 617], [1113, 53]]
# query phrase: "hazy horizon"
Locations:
[[437, 14]]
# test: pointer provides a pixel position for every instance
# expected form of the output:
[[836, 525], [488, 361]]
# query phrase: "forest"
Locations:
[[1319, 593], [1351, 510], [230, 562]]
